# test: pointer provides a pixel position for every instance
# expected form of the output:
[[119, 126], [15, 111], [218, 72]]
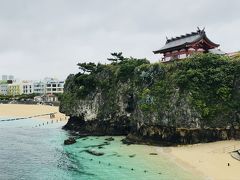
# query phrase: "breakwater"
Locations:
[[29, 117]]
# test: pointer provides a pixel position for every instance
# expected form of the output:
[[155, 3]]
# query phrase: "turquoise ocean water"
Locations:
[[29, 152]]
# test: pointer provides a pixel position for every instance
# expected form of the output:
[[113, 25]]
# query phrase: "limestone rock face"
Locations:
[[187, 102], [172, 136], [125, 107]]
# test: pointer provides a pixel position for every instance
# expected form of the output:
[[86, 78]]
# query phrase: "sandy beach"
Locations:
[[20, 110], [209, 160]]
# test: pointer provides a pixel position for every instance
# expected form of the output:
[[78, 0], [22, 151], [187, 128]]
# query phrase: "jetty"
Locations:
[[52, 115]]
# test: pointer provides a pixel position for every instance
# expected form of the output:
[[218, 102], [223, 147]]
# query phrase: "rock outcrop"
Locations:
[[192, 101], [69, 141]]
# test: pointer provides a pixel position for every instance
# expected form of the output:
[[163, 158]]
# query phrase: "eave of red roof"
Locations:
[[187, 44]]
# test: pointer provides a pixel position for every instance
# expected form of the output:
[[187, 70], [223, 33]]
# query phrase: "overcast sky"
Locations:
[[49, 37]]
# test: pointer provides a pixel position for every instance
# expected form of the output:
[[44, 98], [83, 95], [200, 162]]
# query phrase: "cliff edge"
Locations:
[[188, 101]]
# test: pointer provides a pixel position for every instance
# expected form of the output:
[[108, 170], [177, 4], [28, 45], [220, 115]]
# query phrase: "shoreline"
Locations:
[[166, 152], [27, 110]]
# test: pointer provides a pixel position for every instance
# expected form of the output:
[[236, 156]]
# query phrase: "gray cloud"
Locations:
[[49, 37]]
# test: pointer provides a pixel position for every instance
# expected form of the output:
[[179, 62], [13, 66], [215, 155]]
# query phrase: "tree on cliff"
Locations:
[[117, 57], [87, 67]]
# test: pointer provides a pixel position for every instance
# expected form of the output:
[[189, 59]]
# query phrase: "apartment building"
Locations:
[[54, 86], [26, 87], [3, 89], [14, 89], [39, 87]]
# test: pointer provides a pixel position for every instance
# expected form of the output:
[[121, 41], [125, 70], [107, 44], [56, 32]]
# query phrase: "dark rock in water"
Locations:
[[100, 147], [69, 141], [109, 139], [114, 154], [153, 154], [133, 155], [106, 143], [128, 140], [95, 153]]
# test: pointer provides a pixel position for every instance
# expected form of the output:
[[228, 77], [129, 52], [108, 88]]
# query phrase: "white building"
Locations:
[[48, 86], [26, 87], [39, 87], [54, 86], [3, 89]]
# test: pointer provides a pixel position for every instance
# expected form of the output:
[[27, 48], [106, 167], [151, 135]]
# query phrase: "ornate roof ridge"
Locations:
[[199, 31]]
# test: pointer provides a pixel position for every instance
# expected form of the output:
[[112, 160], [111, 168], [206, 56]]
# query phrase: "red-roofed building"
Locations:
[[183, 46]]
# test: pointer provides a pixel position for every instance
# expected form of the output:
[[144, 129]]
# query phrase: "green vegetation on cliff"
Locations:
[[201, 91]]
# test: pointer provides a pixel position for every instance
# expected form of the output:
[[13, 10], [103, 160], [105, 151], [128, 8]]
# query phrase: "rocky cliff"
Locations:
[[190, 101]]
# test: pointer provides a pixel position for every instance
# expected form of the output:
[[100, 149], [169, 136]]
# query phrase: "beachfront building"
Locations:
[[3, 88], [26, 87], [54, 86], [39, 87], [46, 86], [185, 45], [14, 89]]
